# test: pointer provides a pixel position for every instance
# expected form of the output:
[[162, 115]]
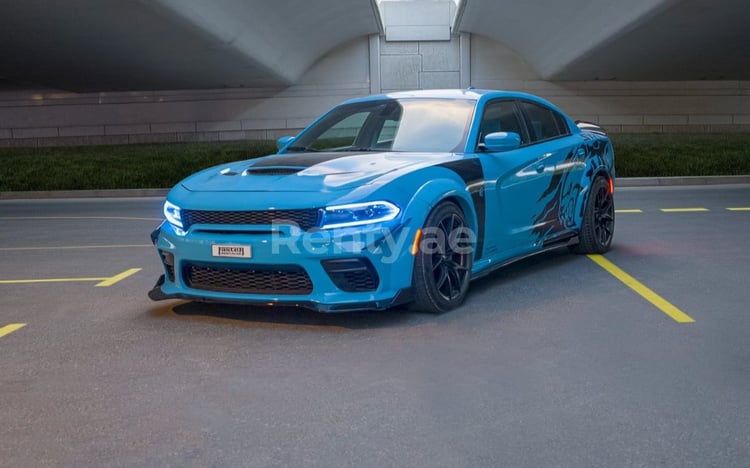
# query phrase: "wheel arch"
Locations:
[[599, 162], [438, 191]]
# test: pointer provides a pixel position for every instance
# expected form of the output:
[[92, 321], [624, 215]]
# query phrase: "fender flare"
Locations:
[[448, 185]]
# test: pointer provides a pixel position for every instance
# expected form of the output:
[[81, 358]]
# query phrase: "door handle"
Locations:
[[540, 169]]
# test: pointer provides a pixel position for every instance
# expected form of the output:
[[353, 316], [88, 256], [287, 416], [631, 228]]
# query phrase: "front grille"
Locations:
[[254, 279], [304, 219], [352, 274]]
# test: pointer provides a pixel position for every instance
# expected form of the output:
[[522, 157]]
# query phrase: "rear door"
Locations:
[[552, 143]]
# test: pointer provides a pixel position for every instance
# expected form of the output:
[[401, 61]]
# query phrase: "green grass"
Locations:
[[163, 165], [116, 167], [670, 155]]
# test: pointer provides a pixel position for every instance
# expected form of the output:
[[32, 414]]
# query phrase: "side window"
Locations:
[[501, 116], [542, 122], [562, 124]]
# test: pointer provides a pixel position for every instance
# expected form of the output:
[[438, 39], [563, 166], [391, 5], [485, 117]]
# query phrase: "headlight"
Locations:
[[173, 215], [357, 214]]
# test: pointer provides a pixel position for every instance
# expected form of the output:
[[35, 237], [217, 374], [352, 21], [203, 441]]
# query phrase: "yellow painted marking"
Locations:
[[8, 329], [75, 247], [629, 211], [102, 281], [740, 208], [662, 304], [683, 210], [50, 280], [117, 278]]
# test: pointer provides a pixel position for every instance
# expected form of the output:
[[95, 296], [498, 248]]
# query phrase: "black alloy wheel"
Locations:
[[598, 227], [442, 267]]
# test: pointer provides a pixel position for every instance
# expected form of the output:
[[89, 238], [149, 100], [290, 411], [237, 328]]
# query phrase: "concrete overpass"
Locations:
[[104, 45], [258, 52]]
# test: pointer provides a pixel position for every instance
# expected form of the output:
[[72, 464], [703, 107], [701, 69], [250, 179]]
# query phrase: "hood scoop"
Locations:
[[273, 170]]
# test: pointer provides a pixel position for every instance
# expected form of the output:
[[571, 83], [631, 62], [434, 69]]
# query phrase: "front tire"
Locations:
[[598, 226], [442, 265]]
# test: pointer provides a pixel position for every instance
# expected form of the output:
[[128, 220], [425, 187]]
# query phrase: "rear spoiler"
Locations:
[[591, 127]]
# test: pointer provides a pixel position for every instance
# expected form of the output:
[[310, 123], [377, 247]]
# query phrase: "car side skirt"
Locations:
[[564, 240]]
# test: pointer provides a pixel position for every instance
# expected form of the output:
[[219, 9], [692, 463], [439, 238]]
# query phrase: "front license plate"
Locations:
[[232, 251]]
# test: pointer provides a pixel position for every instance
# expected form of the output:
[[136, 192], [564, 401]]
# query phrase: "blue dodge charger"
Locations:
[[388, 200]]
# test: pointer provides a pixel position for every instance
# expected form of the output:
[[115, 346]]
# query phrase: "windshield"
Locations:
[[430, 125]]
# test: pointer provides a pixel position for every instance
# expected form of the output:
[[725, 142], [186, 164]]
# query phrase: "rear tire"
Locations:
[[598, 226], [442, 265]]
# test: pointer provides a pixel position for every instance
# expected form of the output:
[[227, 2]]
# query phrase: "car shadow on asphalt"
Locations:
[[294, 316], [523, 270], [513, 275]]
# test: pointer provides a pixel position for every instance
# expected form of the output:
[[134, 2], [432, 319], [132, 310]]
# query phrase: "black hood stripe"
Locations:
[[301, 160]]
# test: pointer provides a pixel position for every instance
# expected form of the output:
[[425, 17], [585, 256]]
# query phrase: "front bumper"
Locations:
[[403, 296], [382, 252]]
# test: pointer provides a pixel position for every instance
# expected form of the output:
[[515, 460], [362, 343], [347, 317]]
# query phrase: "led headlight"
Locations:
[[357, 214], [173, 214]]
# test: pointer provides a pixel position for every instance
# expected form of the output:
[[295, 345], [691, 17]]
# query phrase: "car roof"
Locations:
[[468, 93]]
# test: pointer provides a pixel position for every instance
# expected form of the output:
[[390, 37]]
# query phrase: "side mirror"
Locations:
[[283, 141], [502, 141]]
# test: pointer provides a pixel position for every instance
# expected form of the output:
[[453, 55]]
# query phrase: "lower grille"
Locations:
[[352, 274], [255, 279]]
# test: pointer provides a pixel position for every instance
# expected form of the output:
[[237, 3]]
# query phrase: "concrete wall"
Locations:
[[50, 118], [420, 65], [365, 65], [621, 106]]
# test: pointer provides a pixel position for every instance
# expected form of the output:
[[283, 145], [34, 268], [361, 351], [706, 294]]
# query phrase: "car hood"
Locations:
[[305, 172]]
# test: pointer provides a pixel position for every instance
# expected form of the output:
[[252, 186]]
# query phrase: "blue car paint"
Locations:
[[517, 202]]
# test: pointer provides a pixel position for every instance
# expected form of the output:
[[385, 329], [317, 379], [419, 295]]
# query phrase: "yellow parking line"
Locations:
[[683, 210], [50, 280], [8, 329], [629, 211], [75, 247], [662, 304], [119, 277], [740, 208], [102, 281]]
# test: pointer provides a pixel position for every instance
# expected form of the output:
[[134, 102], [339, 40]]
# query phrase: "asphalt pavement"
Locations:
[[552, 361]]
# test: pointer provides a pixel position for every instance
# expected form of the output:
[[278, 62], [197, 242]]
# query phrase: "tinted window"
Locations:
[[501, 116], [562, 124], [542, 122]]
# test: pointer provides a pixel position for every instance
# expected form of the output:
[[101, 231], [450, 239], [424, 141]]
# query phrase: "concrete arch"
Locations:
[[108, 45], [645, 40], [136, 71]]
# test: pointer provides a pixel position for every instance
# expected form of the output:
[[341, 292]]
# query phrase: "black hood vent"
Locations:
[[273, 171]]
